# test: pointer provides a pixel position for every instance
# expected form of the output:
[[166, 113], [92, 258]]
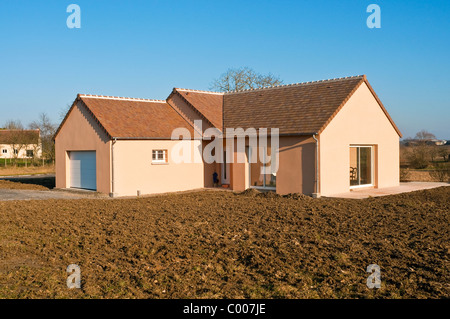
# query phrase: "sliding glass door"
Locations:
[[260, 175], [361, 166]]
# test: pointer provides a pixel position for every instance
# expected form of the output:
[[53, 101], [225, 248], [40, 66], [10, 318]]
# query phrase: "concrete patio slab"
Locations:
[[375, 192]]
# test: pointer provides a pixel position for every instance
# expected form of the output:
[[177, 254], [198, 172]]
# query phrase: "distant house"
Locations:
[[439, 142], [20, 144], [334, 135], [431, 142]]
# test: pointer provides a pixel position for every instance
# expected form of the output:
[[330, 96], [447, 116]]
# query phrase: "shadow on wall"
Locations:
[[95, 126], [297, 165], [309, 168]]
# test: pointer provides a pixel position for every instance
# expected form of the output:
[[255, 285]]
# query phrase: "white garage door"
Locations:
[[83, 170]]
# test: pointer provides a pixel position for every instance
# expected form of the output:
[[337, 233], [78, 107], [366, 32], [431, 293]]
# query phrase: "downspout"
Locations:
[[112, 167], [317, 193]]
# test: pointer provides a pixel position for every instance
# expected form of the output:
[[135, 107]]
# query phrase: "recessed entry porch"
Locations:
[[259, 174]]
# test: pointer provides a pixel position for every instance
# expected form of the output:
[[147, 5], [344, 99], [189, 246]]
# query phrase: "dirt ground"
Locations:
[[5, 184], [35, 182], [420, 176], [11, 170], [227, 245]]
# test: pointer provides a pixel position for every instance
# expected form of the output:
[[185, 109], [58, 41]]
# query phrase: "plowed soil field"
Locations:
[[212, 244]]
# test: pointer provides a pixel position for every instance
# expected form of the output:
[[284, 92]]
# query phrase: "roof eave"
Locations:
[[363, 80], [175, 91], [382, 107], [79, 99]]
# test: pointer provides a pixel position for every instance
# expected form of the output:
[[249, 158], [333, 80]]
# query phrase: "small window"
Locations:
[[4, 151], [16, 151], [159, 156], [30, 153]]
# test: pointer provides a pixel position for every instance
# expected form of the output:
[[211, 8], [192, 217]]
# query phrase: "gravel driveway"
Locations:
[[20, 194], [43, 180]]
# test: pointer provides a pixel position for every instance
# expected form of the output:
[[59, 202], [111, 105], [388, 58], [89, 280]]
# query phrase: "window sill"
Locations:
[[160, 163]]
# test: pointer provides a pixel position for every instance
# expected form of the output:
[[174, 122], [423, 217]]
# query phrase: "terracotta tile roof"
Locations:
[[19, 136], [208, 104], [301, 108], [133, 118], [297, 108]]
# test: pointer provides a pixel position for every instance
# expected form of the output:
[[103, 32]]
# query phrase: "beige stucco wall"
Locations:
[[81, 132], [134, 170], [186, 111], [296, 171], [361, 121]]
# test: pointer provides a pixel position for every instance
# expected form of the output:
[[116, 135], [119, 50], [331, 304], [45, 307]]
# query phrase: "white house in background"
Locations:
[[439, 142], [20, 144]]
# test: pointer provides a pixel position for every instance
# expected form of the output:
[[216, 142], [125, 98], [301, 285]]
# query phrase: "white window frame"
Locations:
[[4, 151], [372, 166], [157, 160]]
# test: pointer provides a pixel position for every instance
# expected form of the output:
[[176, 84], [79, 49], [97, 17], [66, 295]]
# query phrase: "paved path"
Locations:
[[47, 180], [375, 192]]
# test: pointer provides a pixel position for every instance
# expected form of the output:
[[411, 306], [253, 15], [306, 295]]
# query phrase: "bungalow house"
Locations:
[[21, 144], [332, 136]]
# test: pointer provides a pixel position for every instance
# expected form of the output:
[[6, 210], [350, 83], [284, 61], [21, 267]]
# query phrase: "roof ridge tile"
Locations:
[[200, 91], [296, 84], [119, 98]]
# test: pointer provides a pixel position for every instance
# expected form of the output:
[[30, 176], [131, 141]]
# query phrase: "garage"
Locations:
[[83, 173]]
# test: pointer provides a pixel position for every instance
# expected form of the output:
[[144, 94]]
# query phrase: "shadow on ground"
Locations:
[[47, 181]]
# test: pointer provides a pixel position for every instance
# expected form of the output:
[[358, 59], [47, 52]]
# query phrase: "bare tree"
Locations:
[[63, 111], [444, 152], [433, 151], [418, 156], [421, 154], [47, 130], [13, 125], [242, 79], [424, 135]]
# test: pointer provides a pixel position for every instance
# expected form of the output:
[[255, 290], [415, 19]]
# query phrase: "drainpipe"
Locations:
[[112, 167], [317, 193]]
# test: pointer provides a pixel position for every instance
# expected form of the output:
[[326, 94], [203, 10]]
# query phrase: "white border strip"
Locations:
[[118, 98]]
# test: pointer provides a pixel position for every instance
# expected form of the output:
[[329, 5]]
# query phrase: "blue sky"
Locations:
[[145, 48]]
